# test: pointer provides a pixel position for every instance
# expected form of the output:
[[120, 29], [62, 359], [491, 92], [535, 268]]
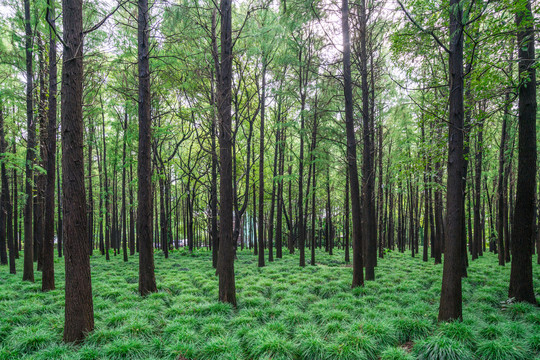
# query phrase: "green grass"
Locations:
[[284, 313]]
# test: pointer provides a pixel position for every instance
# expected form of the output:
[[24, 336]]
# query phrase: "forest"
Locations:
[[269, 179]]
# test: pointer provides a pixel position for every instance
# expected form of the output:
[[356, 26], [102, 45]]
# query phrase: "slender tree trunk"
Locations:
[[147, 279], [79, 312], [225, 268], [60, 225], [369, 228], [478, 187], [124, 210], [261, 168], [6, 219], [358, 272], [451, 297], [213, 186], [273, 202], [4, 196], [279, 226], [28, 269], [521, 276], [106, 189], [39, 178], [90, 189], [48, 239], [16, 234], [347, 225]]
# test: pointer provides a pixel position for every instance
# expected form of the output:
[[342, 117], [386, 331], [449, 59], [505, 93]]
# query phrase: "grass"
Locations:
[[284, 313]]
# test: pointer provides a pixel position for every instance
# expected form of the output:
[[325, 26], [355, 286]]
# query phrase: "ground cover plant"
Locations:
[[284, 312]]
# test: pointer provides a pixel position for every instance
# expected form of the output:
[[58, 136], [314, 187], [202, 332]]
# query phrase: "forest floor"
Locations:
[[284, 312]]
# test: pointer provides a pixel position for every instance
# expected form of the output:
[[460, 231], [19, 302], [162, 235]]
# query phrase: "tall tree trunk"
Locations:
[[279, 215], [369, 228], [521, 277], [106, 188], [6, 229], [147, 279], [79, 312], [347, 226], [225, 268], [39, 178], [291, 225], [131, 214], [426, 201], [273, 202], [124, 210], [47, 282], [261, 168], [60, 224], [358, 271], [213, 186], [91, 135], [4, 196], [477, 240], [6, 202], [16, 234], [451, 297], [28, 269]]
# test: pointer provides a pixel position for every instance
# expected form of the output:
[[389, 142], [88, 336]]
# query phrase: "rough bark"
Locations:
[[147, 279], [28, 269], [521, 276], [48, 239], [358, 271], [369, 226], [79, 313], [451, 297], [225, 266]]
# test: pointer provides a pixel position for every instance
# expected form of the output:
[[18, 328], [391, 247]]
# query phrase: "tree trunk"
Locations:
[[358, 271], [225, 268], [477, 240], [147, 279], [451, 297], [369, 229], [60, 225], [79, 313], [261, 169], [28, 269], [48, 239], [521, 277]]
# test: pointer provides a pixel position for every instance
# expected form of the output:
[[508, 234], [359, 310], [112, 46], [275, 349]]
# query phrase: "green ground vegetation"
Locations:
[[284, 313]]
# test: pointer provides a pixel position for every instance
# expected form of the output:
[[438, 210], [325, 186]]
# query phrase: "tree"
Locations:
[[354, 186], [225, 266], [451, 297], [47, 282], [521, 277], [28, 269], [147, 279], [79, 313]]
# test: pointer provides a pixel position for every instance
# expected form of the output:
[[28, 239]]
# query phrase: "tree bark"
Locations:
[[28, 269], [369, 227], [79, 312], [225, 266], [261, 168], [147, 279], [358, 271], [451, 297], [521, 277], [47, 282]]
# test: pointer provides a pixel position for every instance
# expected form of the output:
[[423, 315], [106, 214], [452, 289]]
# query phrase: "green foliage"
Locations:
[[502, 348], [442, 348]]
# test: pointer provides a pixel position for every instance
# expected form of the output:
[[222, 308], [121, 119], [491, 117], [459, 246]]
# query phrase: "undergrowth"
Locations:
[[284, 312]]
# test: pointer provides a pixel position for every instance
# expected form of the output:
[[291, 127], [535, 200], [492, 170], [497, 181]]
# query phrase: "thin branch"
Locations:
[[430, 32]]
